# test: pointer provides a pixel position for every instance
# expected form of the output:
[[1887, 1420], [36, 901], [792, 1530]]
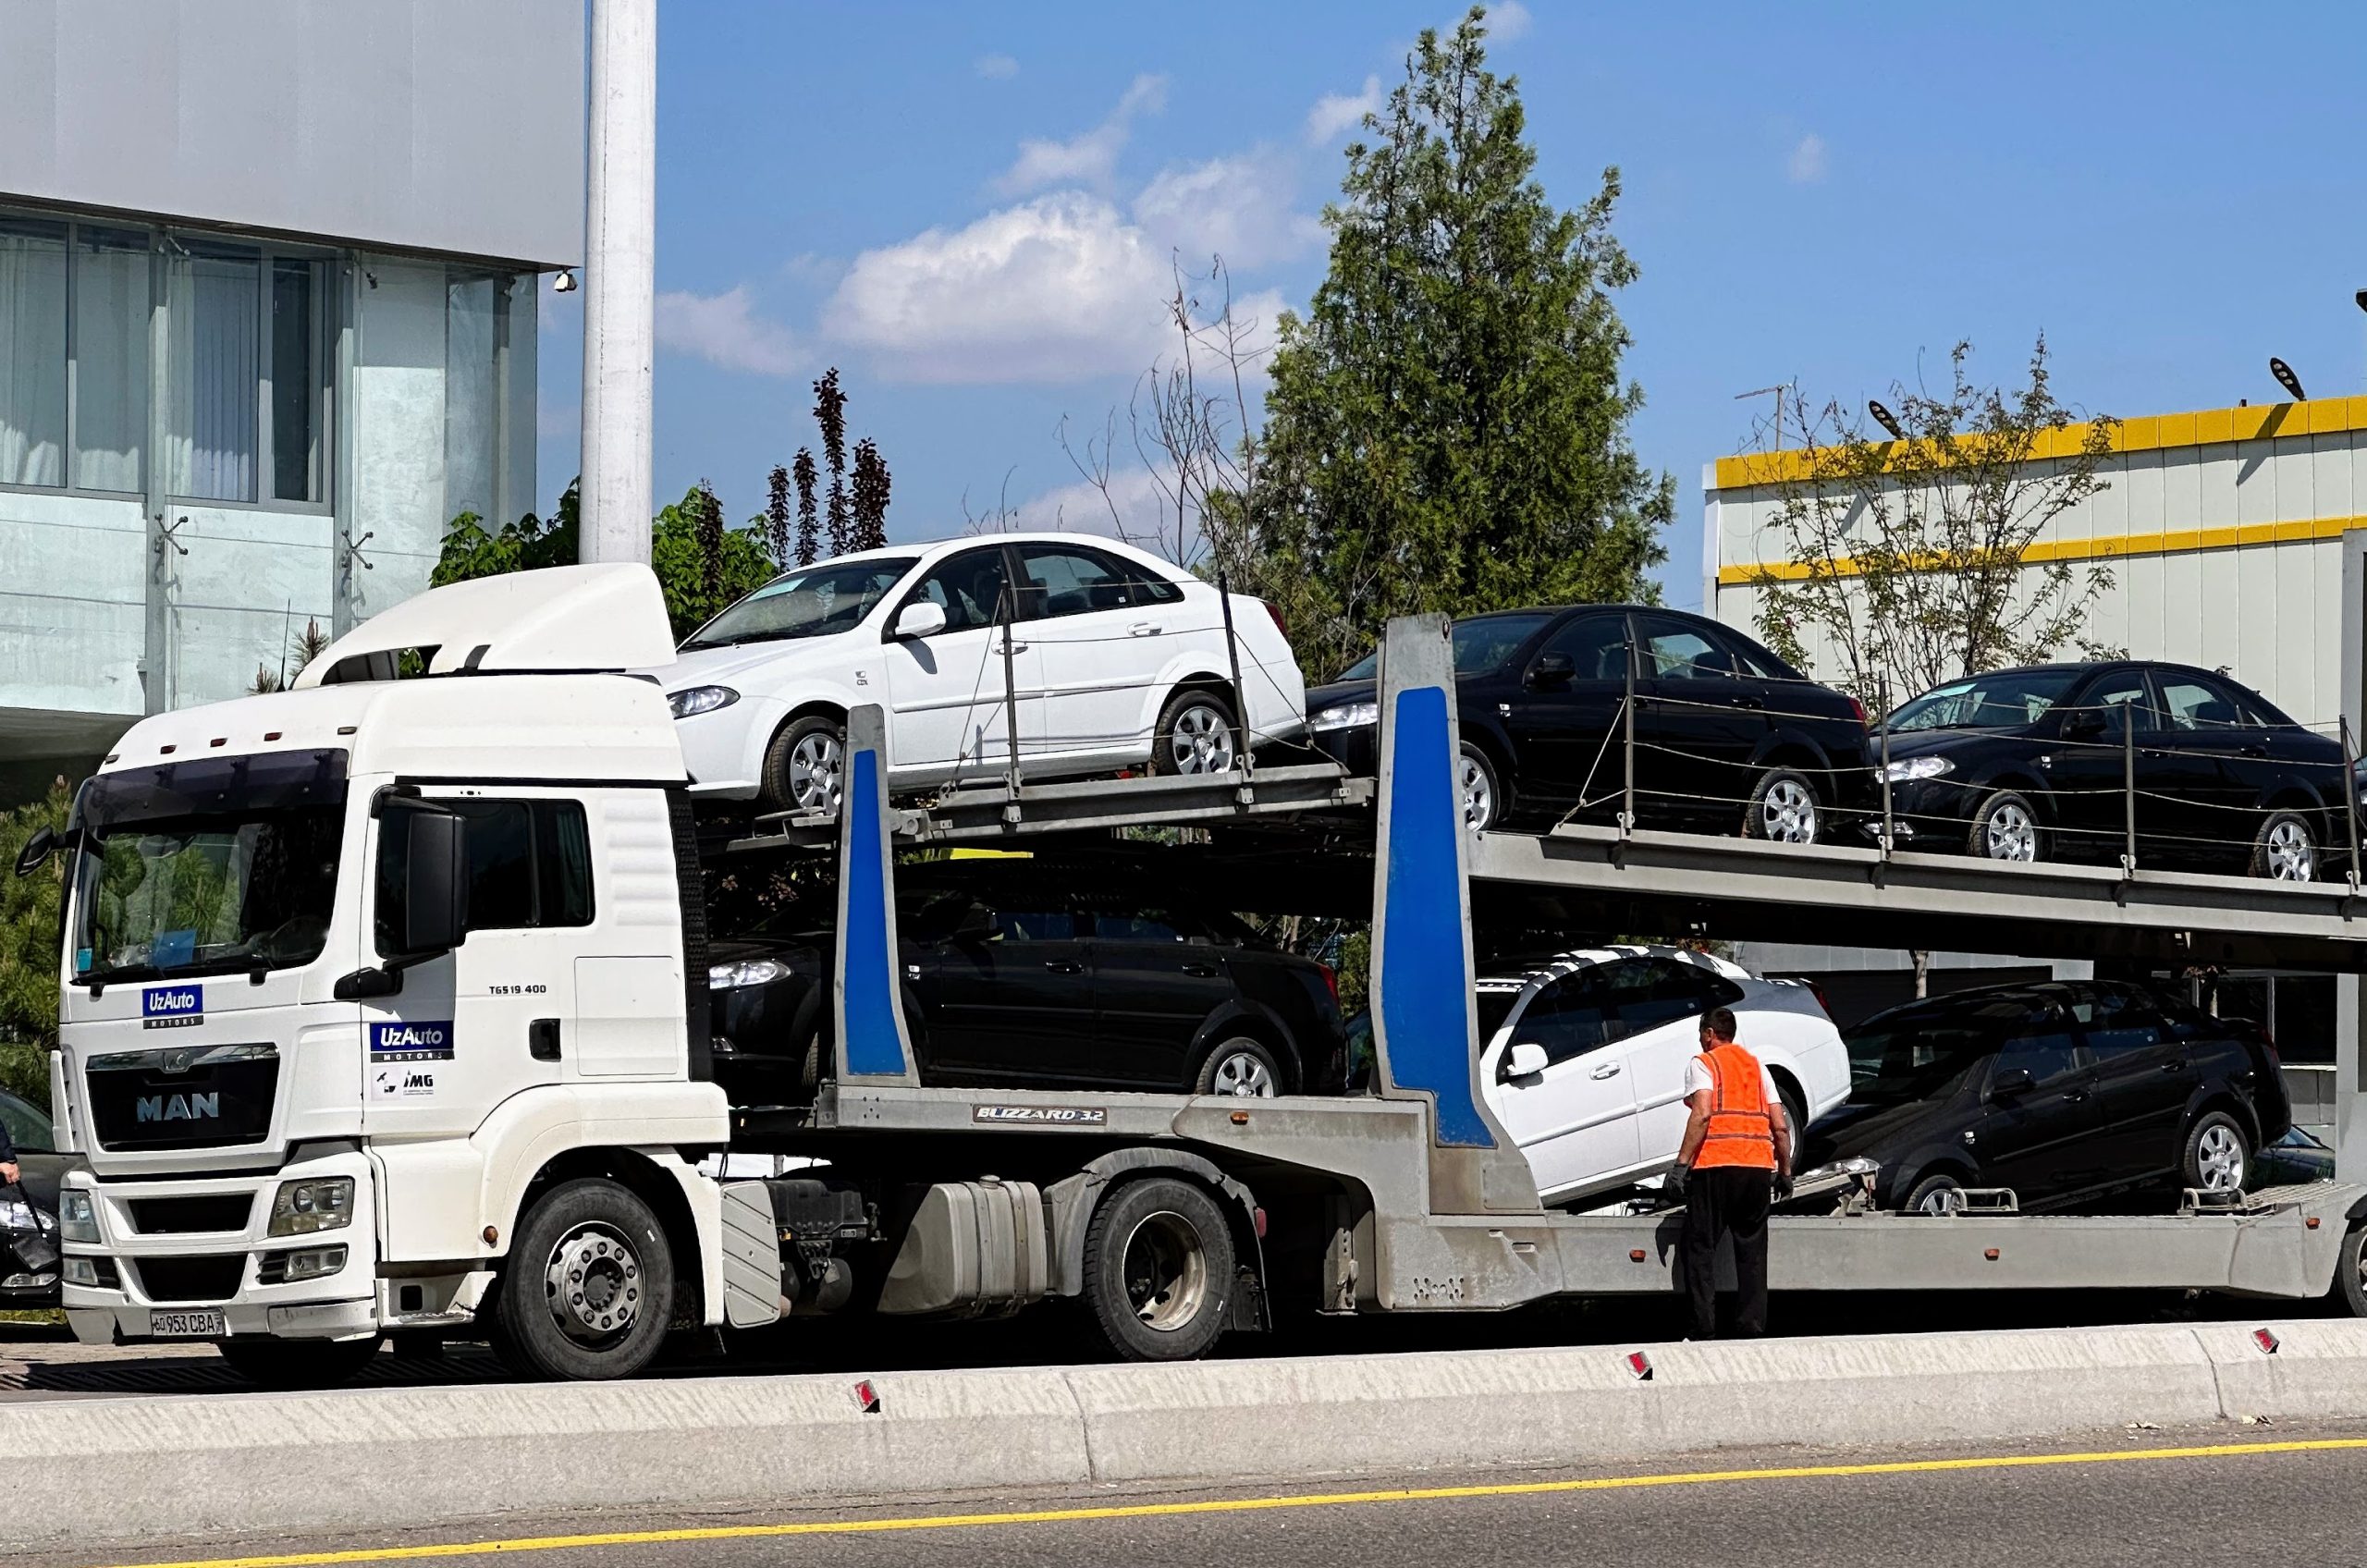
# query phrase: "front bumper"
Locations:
[[178, 1271], [1356, 749]]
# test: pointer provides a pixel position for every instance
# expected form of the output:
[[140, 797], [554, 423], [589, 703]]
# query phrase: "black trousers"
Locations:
[[1727, 1200]]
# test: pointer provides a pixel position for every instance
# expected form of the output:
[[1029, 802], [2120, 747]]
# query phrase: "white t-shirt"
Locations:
[[1698, 1078]]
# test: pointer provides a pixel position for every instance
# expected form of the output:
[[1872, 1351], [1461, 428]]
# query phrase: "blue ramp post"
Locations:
[[875, 1046], [1425, 1029]]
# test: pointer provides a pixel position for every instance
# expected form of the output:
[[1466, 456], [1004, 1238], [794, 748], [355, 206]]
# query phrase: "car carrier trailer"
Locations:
[[461, 1131]]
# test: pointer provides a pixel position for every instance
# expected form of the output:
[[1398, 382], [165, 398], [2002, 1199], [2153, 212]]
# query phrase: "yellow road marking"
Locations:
[[1242, 1504]]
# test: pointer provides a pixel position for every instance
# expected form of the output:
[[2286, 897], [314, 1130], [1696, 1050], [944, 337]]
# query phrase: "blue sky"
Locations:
[[971, 211]]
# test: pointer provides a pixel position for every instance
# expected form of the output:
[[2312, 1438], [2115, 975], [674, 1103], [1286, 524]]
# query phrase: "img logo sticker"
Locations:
[[172, 1007], [411, 1040]]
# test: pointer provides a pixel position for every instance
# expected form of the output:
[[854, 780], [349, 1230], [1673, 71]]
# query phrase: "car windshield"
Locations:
[[1896, 1059], [29, 1128], [833, 597], [1494, 1008], [2005, 699], [1482, 644], [206, 867]]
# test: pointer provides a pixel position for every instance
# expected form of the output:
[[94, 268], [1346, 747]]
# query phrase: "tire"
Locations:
[[2006, 829], [1939, 1192], [805, 766], [1484, 802], [1197, 734], [1796, 1109], [1784, 809], [1243, 1067], [2350, 1273], [585, 1232], [1159, 1270], [2286, 851], [284, 1364], [2218, 1156]]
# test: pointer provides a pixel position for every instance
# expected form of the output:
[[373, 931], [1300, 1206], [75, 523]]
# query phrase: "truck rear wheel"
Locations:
[[2350, 1273], [298, 1364], [1159, 1270], [588, 1287]]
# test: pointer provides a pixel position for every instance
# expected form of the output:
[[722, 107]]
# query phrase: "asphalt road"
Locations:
[[2290, 1494]]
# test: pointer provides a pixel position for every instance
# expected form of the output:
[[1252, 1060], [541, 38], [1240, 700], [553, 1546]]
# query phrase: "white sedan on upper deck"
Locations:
[[1114, 659]]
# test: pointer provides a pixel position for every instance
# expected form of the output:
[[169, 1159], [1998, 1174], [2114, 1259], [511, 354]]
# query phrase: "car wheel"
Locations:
[[288, 1365], [2350, 1274], [1483, 794], [1783, 809], [1240, 1067], [2006, 829], [1196, 734], [1936, 1193], [1796, 1109], [2286, 851], [2218, 1155], [1158, 1267], [588, 1287], [806, 767]]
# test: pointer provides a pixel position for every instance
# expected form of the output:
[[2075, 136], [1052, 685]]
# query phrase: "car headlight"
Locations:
[[1919, 767], [693, 701], [317, 1203], [17, 1214], [78, 1218], [1346, 715], [748, 972]]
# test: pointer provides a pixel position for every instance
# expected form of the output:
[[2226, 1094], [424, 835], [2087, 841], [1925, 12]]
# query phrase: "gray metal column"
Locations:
[[161, 579], [620, 283], [2350, 1110]]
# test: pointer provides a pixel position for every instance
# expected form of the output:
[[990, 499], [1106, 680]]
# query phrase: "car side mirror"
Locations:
[[1525, 1059], [924, 618], [436, 879], [2012, 1081], [1551, 671], [37, 850], [2082, 725]]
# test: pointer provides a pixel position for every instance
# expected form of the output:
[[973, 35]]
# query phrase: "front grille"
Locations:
[[187, 1097], [183, 1217], [200, 1279]]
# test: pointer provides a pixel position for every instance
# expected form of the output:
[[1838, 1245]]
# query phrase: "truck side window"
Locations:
[[530, 868]]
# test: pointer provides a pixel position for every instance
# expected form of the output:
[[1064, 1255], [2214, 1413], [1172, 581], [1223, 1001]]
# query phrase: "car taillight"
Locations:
[[1279, 624], [1818, 992], [1331, 982], [1859, 709]]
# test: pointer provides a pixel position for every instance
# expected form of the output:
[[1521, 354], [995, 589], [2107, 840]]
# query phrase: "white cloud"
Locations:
[[1238, 208], [1507, 19], [1081, 507], [1336, 112], [1806, 165], [1089, 158], [724, 330], [998, 67]]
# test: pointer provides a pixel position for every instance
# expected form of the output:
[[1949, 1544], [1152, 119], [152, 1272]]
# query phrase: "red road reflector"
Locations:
[[1990, 1253], [1635, 1255], [2311, 1223], [868, 1397], [2266, 1340], [1640, 1365], [1259, 1215]]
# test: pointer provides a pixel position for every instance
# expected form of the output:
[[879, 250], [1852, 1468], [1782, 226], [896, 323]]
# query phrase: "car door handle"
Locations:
[[1205, 970], [2176, 1066], [1145, 628], [1745, 702], [1610, 1070], [2073, 1096], [1063, 966]]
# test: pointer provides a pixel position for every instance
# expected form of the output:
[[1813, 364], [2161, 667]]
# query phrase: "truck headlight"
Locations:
[[1919, 767], [317, 1203], [694, 700], [78, 1218], [748, 972], [1346, 715]]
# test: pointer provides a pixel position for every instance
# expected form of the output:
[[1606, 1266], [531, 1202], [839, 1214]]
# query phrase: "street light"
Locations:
[[1883, 417], [2287, 379]]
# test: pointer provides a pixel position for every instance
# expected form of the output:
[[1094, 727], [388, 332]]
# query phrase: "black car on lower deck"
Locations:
[[28, 1260], [1021, 979], [2066, 1092], [1728, 736], [2031, 764]]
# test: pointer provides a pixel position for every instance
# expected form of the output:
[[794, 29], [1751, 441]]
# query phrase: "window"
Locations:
[[111, 269], [1032, 925], [815, 602], [1649, 992], [1674, 651], [2196, 702], [969, 587], [530, 868], [1566, 1016], [2120, 1021], [1482, 644], [1069, 582], [297, 381], [2004, 699], [1596, 646], [33, 352], [214, 308], [28, 1128], [2046, 1051], [2115, 697]]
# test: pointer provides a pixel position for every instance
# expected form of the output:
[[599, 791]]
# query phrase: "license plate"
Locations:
[[186, 1326]]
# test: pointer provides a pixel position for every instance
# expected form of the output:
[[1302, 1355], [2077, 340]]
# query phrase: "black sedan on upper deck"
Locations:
[[1727, 736], [2030, 765]]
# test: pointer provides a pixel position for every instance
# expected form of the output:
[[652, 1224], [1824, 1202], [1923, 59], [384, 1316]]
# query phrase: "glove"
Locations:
[[1783, 1186], [1672, 1184]]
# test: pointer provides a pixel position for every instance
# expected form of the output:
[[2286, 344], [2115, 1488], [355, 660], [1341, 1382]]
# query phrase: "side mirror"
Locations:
[[436, 879], [2012, 1081], [37, 850], [1525, 1059], [2082, 725], [923, 619], [1551, 671]]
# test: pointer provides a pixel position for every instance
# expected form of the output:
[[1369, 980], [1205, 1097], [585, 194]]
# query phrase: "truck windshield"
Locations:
[[208, 866], [811, 603]]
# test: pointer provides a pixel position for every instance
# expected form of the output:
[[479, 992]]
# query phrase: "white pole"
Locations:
[[619, 282]]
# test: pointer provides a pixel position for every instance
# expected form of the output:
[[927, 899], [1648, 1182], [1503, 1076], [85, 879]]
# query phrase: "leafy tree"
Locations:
[[871, 486], [1905, 558], [1446, 428], [830, 413], [776, 515], [30, 910], [809, 536]]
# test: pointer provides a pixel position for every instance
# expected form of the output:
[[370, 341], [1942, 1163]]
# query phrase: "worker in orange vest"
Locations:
[[1735, 1160]]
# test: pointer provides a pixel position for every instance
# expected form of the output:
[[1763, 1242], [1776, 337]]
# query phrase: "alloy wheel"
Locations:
[[2291, 856], [1942, 1200], [593, 1283], [1478, 793], [1200, 740], [2009, 834], [1787, 813], [2219, 1159], [818, 772], [1244, 1074]]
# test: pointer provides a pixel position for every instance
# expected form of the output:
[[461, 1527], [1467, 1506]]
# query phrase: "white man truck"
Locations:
[[385, 1011]]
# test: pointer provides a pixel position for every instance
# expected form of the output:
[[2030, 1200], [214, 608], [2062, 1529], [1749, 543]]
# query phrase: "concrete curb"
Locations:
[[116, 1469]]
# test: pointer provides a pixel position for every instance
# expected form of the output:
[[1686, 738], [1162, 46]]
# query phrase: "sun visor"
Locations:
[[562, 619]]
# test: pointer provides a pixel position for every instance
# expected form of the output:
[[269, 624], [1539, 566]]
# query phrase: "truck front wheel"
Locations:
[[1159, 1270], [588, 1287], [298, 1364]]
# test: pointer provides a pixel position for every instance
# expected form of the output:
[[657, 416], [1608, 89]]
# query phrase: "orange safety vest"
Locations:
[[1740, 1133]]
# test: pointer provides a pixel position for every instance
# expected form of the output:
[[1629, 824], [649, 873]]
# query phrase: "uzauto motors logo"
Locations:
[[172, 1007], [412, 1040]]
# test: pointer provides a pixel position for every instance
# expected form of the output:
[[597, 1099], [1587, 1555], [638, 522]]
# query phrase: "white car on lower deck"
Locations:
[[1114, 659], [1585, 1057]]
